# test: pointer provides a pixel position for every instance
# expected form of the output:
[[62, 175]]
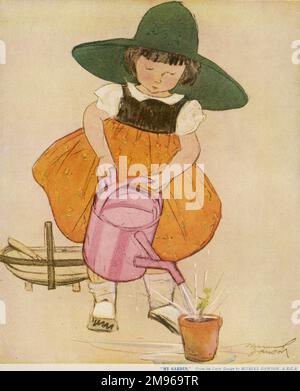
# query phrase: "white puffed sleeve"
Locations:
[[109, 98], [189, 118]]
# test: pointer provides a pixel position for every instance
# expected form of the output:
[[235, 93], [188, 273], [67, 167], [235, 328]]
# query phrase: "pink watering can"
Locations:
[[121, 229]]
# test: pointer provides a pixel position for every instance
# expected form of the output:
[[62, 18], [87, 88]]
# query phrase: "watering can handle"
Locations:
[[106, 181]]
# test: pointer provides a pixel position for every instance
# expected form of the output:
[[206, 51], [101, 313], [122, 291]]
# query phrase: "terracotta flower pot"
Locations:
[[200, 338]]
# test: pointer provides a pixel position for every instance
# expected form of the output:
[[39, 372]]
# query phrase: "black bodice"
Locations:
[[150, 114]]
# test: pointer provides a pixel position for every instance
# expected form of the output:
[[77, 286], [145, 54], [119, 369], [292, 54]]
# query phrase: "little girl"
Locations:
[[149, 113]]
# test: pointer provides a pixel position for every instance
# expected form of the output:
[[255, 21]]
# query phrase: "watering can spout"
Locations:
[[147, 263], [153, 261]]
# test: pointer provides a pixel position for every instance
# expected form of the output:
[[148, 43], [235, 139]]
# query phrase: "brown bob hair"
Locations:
[[191, 67]]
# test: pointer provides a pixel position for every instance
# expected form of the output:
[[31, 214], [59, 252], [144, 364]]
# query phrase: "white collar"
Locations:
[[139, 95]]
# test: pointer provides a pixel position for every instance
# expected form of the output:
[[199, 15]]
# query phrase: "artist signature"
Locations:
[[250, 349]]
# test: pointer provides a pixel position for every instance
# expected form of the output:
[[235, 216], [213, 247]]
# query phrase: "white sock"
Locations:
[[104, 294], [162, 283]]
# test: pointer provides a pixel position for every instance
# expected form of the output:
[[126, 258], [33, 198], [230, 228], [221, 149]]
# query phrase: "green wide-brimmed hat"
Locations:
[[168, 27]]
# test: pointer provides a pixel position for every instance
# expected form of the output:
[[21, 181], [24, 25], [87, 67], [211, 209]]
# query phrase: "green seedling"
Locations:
[[204, 301]]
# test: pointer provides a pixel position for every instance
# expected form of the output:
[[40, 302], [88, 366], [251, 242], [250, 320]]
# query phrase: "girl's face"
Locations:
[[157, 77]]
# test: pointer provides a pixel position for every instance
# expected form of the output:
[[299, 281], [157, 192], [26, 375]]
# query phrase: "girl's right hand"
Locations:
[[106, 167], [106, 173], [105, 170], [105, 182]]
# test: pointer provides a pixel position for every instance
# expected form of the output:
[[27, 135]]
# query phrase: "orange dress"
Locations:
[[67, 173]]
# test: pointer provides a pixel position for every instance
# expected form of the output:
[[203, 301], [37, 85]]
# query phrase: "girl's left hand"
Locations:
[[155, 185], [159, 182]]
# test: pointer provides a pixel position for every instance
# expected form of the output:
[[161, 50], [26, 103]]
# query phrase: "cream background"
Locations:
[[251, 156]]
